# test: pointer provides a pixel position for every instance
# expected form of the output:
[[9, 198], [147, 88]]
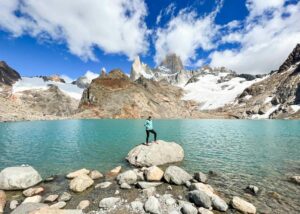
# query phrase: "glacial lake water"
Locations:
[[260, 152]]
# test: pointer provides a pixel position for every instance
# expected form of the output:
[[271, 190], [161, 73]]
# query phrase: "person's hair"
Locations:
[[149, 117]]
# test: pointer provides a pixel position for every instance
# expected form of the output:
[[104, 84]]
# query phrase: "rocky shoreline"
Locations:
[[147, 189]]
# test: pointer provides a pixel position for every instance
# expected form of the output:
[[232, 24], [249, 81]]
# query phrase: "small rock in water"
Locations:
[[152, 205], [51, 198], [81, 183], [137, 206], [2, 201], [200, 199], [125, 186], [59, 205], [128, 177], [13, 204], [33, 199], [33, 191], [219, 204], [154, 173], [202, 210], [83, 204], [49, 179], [176, 175], [253, 189], [108, 203], [103, 185], [243, 206], [95, 174], [296, 179], [201, 177], [114, 171], [77, 173], [65, 197], [189, 209]]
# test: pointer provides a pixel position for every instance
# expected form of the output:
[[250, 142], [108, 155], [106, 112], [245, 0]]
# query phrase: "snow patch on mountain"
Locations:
[[211, 94], [29, 83]]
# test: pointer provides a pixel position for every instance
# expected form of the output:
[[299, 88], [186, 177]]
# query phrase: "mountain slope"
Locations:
[[8, 76]]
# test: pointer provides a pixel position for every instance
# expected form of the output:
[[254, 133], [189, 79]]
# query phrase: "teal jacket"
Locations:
[[148, 125]]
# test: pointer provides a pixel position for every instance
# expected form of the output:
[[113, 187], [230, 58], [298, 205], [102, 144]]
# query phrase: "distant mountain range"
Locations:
[[167, 91]]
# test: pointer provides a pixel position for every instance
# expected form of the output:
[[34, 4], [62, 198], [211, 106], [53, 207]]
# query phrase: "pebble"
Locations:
[[103, 185], [83, 204], [65, 197], [33, 199], [59, 205], [51, 198], [13, 204]]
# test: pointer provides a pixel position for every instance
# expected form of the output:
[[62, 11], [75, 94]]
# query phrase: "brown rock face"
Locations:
[[172, 62], [8, 76], [54, 78], [116, 96]]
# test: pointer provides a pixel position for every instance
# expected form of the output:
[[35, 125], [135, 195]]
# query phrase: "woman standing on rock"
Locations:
[[149, 129]]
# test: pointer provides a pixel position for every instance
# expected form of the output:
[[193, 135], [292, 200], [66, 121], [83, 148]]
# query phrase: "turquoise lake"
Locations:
[[264, 153], [260, 148]]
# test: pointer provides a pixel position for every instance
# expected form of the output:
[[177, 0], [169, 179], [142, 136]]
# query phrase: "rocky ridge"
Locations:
[[8, 76]]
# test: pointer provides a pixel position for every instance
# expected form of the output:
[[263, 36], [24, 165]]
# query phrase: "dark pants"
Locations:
[[148, 132]]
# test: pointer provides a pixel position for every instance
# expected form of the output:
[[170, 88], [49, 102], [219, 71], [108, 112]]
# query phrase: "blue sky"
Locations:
[[73, 36]]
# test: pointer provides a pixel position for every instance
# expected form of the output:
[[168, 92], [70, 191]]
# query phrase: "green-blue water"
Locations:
[[254, 147]]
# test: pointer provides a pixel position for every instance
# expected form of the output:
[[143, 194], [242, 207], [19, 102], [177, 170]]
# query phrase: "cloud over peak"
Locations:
[[113, 26]]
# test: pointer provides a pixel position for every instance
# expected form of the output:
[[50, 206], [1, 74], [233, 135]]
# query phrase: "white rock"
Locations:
[[77, 173], [2, 201], [243, 206], [202, 210], [18, 178], [200, 199], [156, 154], [33, 191], [107, 203], [33, 199], [154, 173], [115, 171], [176, 175], [59, 205], [65, 197], [83, 204], [201, 177], [125, 186], [51, 198], [152, 205], [103, 185], [81, 183], [189, 209], [128, 177], [95, 174], [146, 185], [296, 179], [55, 210], [219, 204], [203, 187], [13, 204]]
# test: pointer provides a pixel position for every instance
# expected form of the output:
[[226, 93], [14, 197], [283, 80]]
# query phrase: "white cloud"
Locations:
[[168, 11], [184, 34], [265, 41], [257, 7], [113, 26]]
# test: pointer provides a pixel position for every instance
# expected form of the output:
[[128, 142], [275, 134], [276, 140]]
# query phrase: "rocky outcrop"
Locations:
[[116, 96], [19, 178], [8, 76], [49, 102], [139, 69], [173, 63], [53, 78], [155, 154], [292, 59], [274, 96]]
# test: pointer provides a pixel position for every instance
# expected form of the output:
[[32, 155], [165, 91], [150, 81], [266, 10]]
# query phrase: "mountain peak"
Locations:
[[8, 76], [172, 62], [292, 59]]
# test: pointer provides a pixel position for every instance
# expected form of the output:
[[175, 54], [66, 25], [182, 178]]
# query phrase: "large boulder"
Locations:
[[200, 199], [152, 205], [18, 178], [28, 208], [154, 173], [81, 183], [176, 175], [128, 177], [155, 154]]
